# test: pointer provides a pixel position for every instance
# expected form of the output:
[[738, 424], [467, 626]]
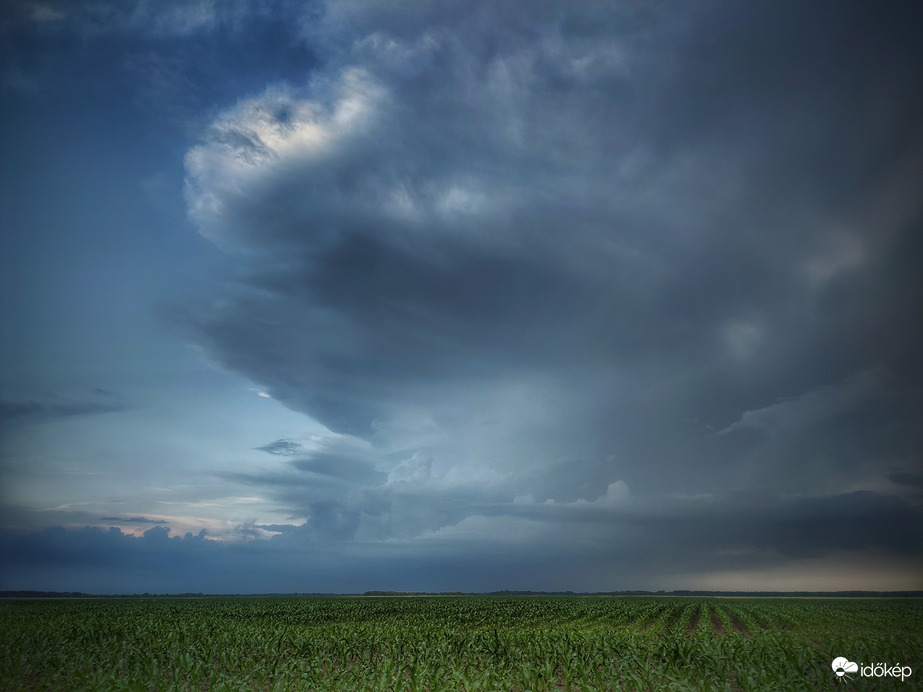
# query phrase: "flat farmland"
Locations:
[[460, 643]]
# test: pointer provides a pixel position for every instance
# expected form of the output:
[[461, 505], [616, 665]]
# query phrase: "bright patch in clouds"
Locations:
[[264, 137]]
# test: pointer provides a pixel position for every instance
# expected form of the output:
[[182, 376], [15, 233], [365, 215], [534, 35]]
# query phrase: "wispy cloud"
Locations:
[[101, 17], [55, 407], [133, 520], [283, 448]]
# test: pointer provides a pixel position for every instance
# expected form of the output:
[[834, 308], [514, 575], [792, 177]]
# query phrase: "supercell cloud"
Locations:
[[567, 296]]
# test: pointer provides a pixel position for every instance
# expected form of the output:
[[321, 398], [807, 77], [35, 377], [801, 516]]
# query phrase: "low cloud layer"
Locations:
[[604, 544], [54, 407]]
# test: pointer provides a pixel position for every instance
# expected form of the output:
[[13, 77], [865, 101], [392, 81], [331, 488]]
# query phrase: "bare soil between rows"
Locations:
[[694, 623]]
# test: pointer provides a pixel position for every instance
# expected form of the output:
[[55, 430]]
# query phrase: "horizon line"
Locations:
[[853, 593]]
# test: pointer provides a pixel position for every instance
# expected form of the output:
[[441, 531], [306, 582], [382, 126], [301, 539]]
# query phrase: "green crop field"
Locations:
[[459, 643]]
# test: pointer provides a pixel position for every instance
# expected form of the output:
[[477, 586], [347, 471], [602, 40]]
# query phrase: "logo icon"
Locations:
[[841, 666]]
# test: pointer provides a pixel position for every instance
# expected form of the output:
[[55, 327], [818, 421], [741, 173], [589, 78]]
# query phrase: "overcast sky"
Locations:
[[437, 295]]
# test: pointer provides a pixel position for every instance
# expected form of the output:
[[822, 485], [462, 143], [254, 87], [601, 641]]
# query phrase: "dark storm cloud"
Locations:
[[666, 250], [914, 480], [92, 546], [569, 191], [856, 521], [796, 527], [400, 319], [693, 528], [110, 561], [606, 545]]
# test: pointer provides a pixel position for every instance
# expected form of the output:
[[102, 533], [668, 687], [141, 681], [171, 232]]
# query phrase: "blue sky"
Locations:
[[460, 296]]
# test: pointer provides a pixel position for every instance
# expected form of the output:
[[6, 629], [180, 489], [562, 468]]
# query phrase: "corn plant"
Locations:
[[453, 643]]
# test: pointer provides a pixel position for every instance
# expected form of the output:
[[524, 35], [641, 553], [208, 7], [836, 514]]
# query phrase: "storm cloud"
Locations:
[[629, 284]]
